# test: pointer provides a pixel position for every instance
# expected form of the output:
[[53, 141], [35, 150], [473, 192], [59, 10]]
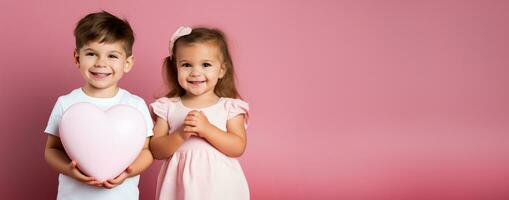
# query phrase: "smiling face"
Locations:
[[102, 65], [199, 67]]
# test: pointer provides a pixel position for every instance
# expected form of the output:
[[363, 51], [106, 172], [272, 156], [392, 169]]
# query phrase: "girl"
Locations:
[[201, 123]]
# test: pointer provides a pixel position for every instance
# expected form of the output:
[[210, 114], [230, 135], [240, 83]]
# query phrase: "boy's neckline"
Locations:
[[84, 92]]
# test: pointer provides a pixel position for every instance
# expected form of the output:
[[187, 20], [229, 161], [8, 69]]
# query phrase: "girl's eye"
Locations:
[[206, 65], [186, 65]]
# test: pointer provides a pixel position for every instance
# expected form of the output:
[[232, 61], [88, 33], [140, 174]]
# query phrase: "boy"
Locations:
[[103, 54]]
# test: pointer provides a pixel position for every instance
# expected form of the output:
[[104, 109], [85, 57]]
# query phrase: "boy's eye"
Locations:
[[89, 54], [206, 65], [113, 56]]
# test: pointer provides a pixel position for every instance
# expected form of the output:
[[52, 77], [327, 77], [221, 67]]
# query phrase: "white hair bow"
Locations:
[[181, 31]]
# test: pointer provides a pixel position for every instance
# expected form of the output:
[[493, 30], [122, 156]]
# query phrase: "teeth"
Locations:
[[100, 74]]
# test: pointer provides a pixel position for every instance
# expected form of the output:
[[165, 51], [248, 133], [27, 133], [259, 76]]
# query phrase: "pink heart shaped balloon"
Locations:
[[103, 143]]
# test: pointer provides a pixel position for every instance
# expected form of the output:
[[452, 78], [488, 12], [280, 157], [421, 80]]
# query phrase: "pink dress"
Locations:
[[197, 170]]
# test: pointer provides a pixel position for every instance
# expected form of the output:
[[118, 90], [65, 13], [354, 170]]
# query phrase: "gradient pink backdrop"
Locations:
[[350, 99]]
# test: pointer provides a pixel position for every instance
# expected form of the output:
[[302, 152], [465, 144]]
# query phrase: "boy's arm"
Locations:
[[164, 145], [56, 157]]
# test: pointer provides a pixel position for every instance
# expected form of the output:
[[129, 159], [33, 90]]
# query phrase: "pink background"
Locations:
[[350, 99]]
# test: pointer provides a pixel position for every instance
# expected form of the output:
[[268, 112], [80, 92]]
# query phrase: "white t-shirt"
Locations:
[[69, 188]]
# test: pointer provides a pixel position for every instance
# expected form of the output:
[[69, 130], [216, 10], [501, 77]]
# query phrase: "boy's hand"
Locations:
[[111, 183], [78, 175], [197, 122]]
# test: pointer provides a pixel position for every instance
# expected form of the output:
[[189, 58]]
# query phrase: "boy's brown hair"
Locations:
[[104, 27]]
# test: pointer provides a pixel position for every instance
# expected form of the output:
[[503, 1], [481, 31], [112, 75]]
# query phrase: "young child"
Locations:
[[103, 54], [201, 123]]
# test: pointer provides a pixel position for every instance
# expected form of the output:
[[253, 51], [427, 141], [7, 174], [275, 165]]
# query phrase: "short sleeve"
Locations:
[[146, 114], [236, 107], [54, 118], [160, 107]]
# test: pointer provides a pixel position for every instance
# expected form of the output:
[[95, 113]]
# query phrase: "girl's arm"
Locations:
[[164, 145], [232, 143], [56, 157]]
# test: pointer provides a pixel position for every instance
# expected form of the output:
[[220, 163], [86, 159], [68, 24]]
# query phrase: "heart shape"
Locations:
[[103, 143]]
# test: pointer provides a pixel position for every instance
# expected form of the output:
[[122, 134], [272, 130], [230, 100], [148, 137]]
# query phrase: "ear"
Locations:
[[76, 58], [222, 70], [129, 62]]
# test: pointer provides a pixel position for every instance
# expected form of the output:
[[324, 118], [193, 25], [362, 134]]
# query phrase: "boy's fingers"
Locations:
[[129, 169], [82, 177], [114, 181], [79, 175], [120, 178], [88, 178], [74, 164], [107, 185], [94, 182]]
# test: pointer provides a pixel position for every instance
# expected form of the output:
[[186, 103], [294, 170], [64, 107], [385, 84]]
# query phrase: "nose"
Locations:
[[195, 72], [100, 62]]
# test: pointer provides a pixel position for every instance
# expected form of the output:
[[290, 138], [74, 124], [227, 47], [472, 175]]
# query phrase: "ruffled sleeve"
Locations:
[[160, 108], [236, 107]]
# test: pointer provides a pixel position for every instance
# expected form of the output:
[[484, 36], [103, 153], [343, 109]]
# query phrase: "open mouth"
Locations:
[[196, 82], [100, 75]]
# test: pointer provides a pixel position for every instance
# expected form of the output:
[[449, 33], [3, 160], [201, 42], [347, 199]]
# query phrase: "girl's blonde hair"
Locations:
[[225, 86]]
